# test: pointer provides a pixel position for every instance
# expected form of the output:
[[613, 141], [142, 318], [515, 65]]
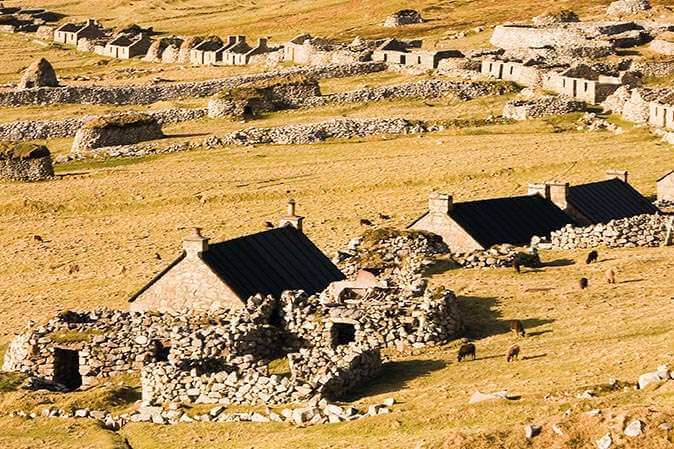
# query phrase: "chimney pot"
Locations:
[[292, 219], [617, 174], [440, 203]]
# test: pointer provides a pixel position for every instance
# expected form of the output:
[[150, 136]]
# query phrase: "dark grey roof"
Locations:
[[71, 27], [210, 45], [271, 262], [122, 41], [513, 220], [612, 199]]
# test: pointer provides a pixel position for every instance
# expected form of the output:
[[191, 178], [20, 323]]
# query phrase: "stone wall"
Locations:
[[640, 230], [498, 256], [55, 129], [541, 107], [32, 169], [156, 93]]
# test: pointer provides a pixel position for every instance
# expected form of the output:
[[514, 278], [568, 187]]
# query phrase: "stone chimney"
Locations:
[[92, 22], [195, 243], [231, 40], [291, 218], [617, 174], [439, 203], [539, 188], [559, 192], [240, 39], [262, 42]]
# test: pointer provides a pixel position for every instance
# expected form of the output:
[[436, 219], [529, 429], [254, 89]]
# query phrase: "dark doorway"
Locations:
[[162, 349], [67, 368], [343, 334], [275, 317]]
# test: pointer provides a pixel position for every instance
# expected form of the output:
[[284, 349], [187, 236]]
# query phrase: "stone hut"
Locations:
[[272, 94], [25, 162], [71, 33], [39, 74], [596, 202], [628, 7], [310, 50], [665, 188], [481, 224], [403, 17], [127, 46], [114, 130], [410, 54], [210, 276]]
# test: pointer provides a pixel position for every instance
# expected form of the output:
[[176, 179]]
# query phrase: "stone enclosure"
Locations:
[[113, 130], [25, 162]]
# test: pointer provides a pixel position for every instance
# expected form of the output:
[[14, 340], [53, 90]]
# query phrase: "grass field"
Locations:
[[109, 219]]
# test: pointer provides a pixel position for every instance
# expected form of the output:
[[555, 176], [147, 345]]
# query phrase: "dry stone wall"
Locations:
[[638, 231], [541, 107], [32, 169], [155, 93], [498, 256]]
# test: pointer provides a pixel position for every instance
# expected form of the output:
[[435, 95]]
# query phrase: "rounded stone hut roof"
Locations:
[[22, 150], [39, 74]]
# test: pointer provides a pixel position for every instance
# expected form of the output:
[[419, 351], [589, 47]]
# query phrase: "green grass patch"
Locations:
[[74, 336], [10, 381]]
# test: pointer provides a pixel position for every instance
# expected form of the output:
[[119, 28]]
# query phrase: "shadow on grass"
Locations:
[[559, 263], [482, 320], [394, 376]]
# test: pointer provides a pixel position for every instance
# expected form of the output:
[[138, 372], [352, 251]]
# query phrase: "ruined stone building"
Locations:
[[596, 202], [515, 72], [127, 47], [481, 224], [665, 187], [661, 112], [71, 33], [585, 84], [208, 276], [409, 53]]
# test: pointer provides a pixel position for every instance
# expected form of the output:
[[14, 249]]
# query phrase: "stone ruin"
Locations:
[[547, 105], [628, 7], [114, 130], [551, 18], [39, 74], [403, 17], [663, 44], [25, 162], [254, 98], [638, 231]]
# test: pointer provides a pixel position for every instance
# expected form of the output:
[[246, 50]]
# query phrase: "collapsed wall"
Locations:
[[525, 109]]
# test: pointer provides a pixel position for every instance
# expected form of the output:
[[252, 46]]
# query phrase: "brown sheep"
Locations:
[[517, 328], [513, 353], [583, 283], [610, 276], [593, 256], [465, 351]]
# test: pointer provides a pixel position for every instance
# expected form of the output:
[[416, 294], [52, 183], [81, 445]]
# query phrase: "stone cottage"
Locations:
[[665, 187], [597, 202], [71, 33], [517, 72], [209, 51], [586, 84], [126, 47], [209, 276], [481, 224], [241, 53], [409, 53]]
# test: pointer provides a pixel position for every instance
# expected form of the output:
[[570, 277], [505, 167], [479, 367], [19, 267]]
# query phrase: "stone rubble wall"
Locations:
[[541, 107], [33, 169], [156, 93], [55, 129], [498, 256], [638, 231]]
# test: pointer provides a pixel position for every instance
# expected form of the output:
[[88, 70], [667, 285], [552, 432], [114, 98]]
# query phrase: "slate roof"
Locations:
[[513, 220], [122, 41], [612, 199], [210, 45], [267, 263], [71, 27]]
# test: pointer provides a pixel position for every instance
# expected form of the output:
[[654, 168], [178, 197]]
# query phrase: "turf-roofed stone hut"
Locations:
[[210, 276], [251, 99], [599, 201], [25, 162], [118, 129], [479, 225]]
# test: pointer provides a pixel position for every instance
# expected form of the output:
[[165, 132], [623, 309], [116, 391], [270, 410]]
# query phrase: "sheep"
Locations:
[[593, 256], [366, 222], [583, 283], [610, 276], [513, 353], [517, 266], [465, 351], [517, 328]]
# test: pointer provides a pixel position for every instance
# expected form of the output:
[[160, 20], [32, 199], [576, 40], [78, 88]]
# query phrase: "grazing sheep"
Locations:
[[583, 283], [366, 222], [384, 217], [513, 353], [465, 351], [517, 328], [610, 276], [517, 266], [593, 256], [269, 225]]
